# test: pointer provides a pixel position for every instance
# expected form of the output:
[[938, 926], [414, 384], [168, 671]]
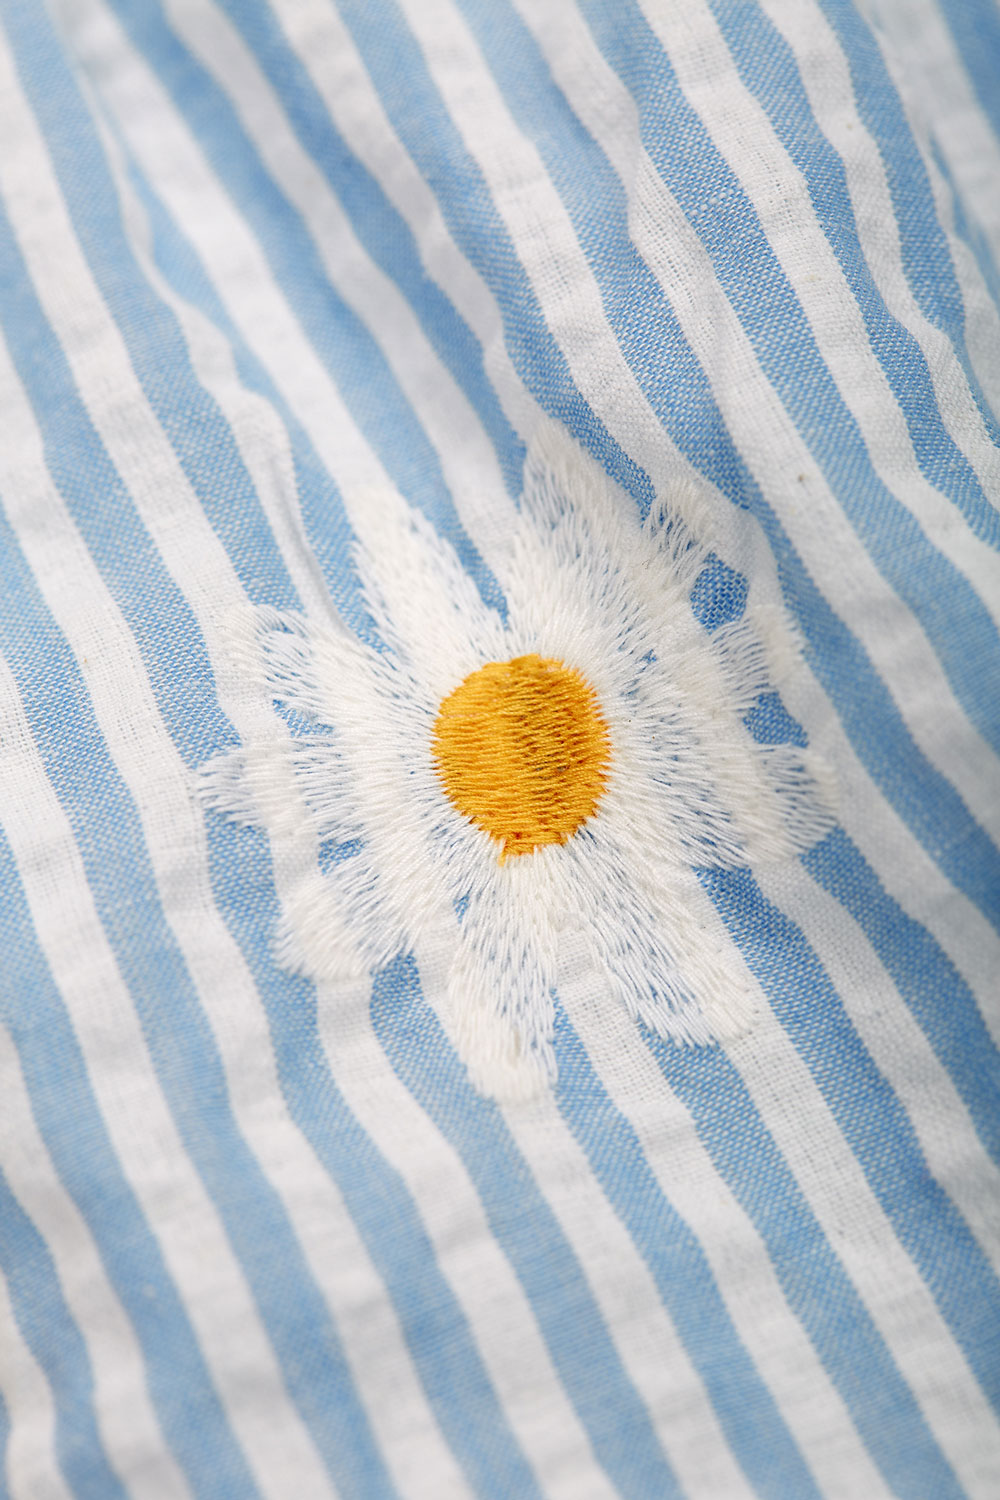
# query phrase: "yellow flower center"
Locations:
[[522, 749]]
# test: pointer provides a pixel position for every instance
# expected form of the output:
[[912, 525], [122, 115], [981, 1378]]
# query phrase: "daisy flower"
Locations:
[[503, 790]]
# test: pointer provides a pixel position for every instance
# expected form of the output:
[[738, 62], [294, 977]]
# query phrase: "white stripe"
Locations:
[[212, 595], [906, 871], [982, 315], [325, 48], [542, 235], [850, 1217], [172, 161], [808, 1402], [940, 96], [175, 839], [963, 1424], [904, 868], [899, 1049], [767, 439], [857, 1229], [485, 1286], [538, 1130], [126, 1420], [30, 1466], [826, 79], [651, 1350], [516, 1359], [948, 1414], [538, 1434], [652, 1353], [914, 76], [742, 134], [258, 431], [182, 1216], [501, 1321], [620, 1281], [467, 457], [510, 1383]]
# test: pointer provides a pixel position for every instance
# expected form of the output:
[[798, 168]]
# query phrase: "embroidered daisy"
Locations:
[[503, 789]]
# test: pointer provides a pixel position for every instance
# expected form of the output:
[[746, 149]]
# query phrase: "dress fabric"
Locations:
[[292, 293]]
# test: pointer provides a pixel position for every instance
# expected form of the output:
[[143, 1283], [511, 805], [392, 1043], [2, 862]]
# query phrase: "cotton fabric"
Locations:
[[261, 1237]]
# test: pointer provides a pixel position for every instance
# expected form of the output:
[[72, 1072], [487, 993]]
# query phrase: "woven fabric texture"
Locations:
[[291, 291]]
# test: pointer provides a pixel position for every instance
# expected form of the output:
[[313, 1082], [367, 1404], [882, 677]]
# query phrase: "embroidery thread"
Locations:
[[505, 792], [522, 750]]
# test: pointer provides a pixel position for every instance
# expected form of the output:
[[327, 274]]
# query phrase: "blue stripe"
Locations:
[[323, 515], [747, 1412], [813, 1280], [939, 998], [457, 1384], [924, 246], [407, 1264], [48, 1329], [166, 633], [181, 1046], [340, 340], [431, 140], [768, 69], [381, 229], [929, 806], [924, 799], [975, 26], [969, 230], [869, 1115], [315, 131], [684, 403], [67, 1115], [478, 1433], [765, 303], [524, 1226], [158, 614]]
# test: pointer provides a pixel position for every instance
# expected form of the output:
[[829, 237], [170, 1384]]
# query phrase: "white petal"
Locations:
[[569, 595], [369, 778], [572, 501], [670, 967], [425, 606], [322, 781], [742, 660], [500, 984], [804, 792], [317, 668], [314, 936], [664, 794], [226, 785]]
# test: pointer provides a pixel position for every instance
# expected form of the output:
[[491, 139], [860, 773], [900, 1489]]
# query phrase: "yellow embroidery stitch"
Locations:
[[522, 749]]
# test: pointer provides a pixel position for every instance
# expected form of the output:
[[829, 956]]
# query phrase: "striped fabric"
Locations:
[[262, 1240]]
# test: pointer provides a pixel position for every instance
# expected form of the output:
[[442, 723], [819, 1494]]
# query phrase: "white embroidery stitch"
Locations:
[[686, 784]]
